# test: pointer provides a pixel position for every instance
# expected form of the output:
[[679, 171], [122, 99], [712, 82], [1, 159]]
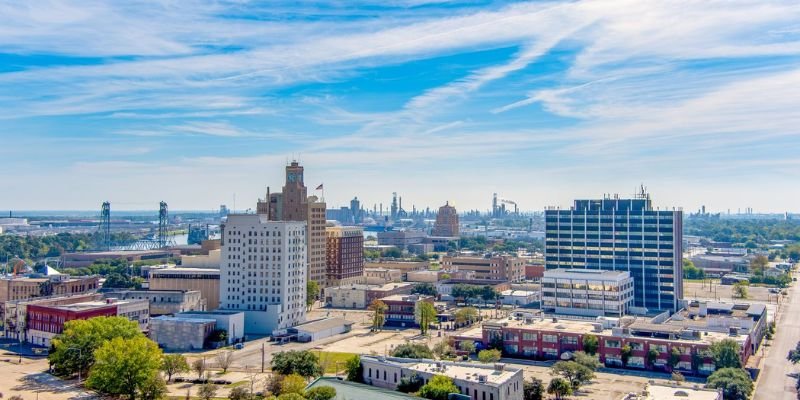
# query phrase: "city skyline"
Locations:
[[542, 103]]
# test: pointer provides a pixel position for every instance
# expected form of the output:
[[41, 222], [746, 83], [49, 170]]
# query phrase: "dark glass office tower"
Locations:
[[621, 235]]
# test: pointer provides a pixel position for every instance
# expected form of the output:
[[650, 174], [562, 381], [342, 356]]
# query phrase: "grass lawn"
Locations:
[[332, 362]]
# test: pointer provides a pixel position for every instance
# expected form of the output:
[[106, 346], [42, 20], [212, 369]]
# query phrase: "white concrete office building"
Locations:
[[476, 380], [263, 272], [587, 292]]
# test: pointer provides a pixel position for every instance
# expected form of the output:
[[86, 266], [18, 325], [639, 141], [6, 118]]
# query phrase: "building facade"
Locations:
[[294, 204], [401, 238], [162, 302], [345, 255], [477, 381], [446, 222], [401, 309], [263, 271], [617, 234], [587, 292], [493, 268], [203, 280], [44, 322]]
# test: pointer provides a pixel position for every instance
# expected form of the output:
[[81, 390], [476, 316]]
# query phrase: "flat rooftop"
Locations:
[[184, 319], [322, 324], [639, 324], [405, 297], [216, 312], [660, 392], [463, 371]]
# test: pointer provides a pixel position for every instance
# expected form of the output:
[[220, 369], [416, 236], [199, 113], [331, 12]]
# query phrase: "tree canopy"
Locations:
[[412, 350], [303, 363], [726, 354], [734, 382], [575, 374], [74, 348], [438, 388], [425, 315], [489, 355], [424, 288], [125, 367]]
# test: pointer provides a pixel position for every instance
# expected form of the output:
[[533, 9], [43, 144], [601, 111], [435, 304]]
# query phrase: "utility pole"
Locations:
[[263, 344]]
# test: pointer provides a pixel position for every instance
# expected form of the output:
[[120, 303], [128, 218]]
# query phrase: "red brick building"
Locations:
[[680, 342], [344, 255]]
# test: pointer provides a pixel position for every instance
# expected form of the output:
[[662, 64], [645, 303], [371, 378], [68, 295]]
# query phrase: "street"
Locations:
[[776, 382]]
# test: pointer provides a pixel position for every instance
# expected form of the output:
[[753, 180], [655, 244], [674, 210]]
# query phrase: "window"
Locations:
[[528, 336], [550, 338], [614, 344], [569, 340], [636, 346]]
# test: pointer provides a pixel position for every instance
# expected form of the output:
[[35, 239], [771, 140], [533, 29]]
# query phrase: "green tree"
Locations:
[[467, 345], [559, 388], [207, 391], [125, 366], [444, 350], [438, 388], [355, 373], [590, 361], [652, 356], [410, 383], [533, 389], [489, 356], [674, 357], [590, 344], [321, 393], [734, 382], [293, 383], [426, 289], [239, 393], [576, 374], [303, 363], [378, 309], [625, 354], [794, 355], [758, 264], [740, 290], [393, 252], [424, 315], [73, 350], [312, 290], [291, 396], [488, 294], [412, 350], [726, 354], [466, 315], [173, 364], [154, 389]]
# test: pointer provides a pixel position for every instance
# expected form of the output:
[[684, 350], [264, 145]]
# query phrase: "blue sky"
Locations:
[[542, 102]]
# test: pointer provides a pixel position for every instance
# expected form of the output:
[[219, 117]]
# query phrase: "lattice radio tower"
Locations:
[[105, 225]]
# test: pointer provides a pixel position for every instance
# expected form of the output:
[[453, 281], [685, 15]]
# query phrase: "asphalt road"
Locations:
[[776, 382]]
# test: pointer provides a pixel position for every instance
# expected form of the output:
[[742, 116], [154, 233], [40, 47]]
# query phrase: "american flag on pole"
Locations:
[[319, 187]]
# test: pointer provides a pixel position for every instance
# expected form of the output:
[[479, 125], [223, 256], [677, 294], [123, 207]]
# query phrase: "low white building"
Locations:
[[587, 292], [519, 297], [675, 392], [321, 329], [230, 321], [478, 381]]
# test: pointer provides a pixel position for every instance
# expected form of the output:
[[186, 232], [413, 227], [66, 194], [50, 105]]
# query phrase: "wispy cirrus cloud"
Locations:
[[553, 87]]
